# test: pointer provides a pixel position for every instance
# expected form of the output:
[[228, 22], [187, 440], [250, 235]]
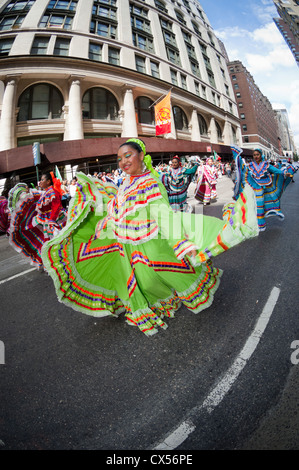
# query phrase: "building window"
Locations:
[[196, 28], [5, 46], [42, 101], [18, 5], [186, 36], [200, 14], [226, 89], [113, 56], [211, 78], [62, 46], [169, 38], [186, 3], [143, 42], [161, 6], [104, 19], [14, 13], [236, 86], [136, 10], [155, 69], [99, 103], [180, 17], [180, 119], [204, 92], [166, 24], [56, 21], [184, 81], [238, 94], [174, 78], [62, 5], [207, 61], [244, 127], [202, 125], [196, 84], [140, 64], [103, 29], [144, 110], [190, 51], [242, 116], [173, 56], [11, 22], [203, 47], [107, 11], [95, 51], [40, 45], [140, 24], [211, 39], [141, 29]]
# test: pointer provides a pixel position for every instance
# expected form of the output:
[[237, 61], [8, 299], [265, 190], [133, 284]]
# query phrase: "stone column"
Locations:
[[213, 131], [7, 122], [75, 119], [228, 134], [129, 124], [194, 125]]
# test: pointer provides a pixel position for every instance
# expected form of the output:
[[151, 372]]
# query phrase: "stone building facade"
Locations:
[[258, 120], [78, 76]]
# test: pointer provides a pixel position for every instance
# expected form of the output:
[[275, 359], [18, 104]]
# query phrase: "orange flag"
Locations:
[[163, 116]]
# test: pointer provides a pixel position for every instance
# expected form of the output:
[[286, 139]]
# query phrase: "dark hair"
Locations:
[[48, 176], [134, 145]]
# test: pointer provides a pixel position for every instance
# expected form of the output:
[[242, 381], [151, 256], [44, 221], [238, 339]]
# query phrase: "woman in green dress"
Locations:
[[124, 250]]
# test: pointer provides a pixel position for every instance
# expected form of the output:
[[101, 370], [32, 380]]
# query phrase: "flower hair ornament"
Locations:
[[147, 159]]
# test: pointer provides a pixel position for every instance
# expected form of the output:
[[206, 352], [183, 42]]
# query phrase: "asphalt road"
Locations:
[[73, 382]]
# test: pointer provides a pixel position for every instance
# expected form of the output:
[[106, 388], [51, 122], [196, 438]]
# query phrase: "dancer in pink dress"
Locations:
[[206, 183]]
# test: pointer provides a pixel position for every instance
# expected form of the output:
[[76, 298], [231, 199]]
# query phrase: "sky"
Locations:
[[247, 29]]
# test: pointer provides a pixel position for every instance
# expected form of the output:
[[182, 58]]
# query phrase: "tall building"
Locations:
[[79, 76], [258, 122], [288, 147], [288, 23]]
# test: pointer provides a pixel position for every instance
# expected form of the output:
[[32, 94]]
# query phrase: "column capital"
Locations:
[[12, 78], [127, 87], [76, 78]]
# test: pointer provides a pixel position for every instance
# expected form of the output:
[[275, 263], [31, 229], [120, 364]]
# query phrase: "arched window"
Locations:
[[202, 125], [180, 119], [144, 113], [99, 103], [41, 101], [219, 131]]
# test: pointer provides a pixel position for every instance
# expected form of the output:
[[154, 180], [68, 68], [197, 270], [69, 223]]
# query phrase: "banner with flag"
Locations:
[[216, 157], [163, 116]]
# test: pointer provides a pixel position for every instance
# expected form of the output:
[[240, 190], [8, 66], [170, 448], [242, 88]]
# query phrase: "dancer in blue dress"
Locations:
[[176, 181], [267, 181]]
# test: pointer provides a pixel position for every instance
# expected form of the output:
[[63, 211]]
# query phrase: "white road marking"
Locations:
[[17, 275], [181, 433], [177, 437]]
